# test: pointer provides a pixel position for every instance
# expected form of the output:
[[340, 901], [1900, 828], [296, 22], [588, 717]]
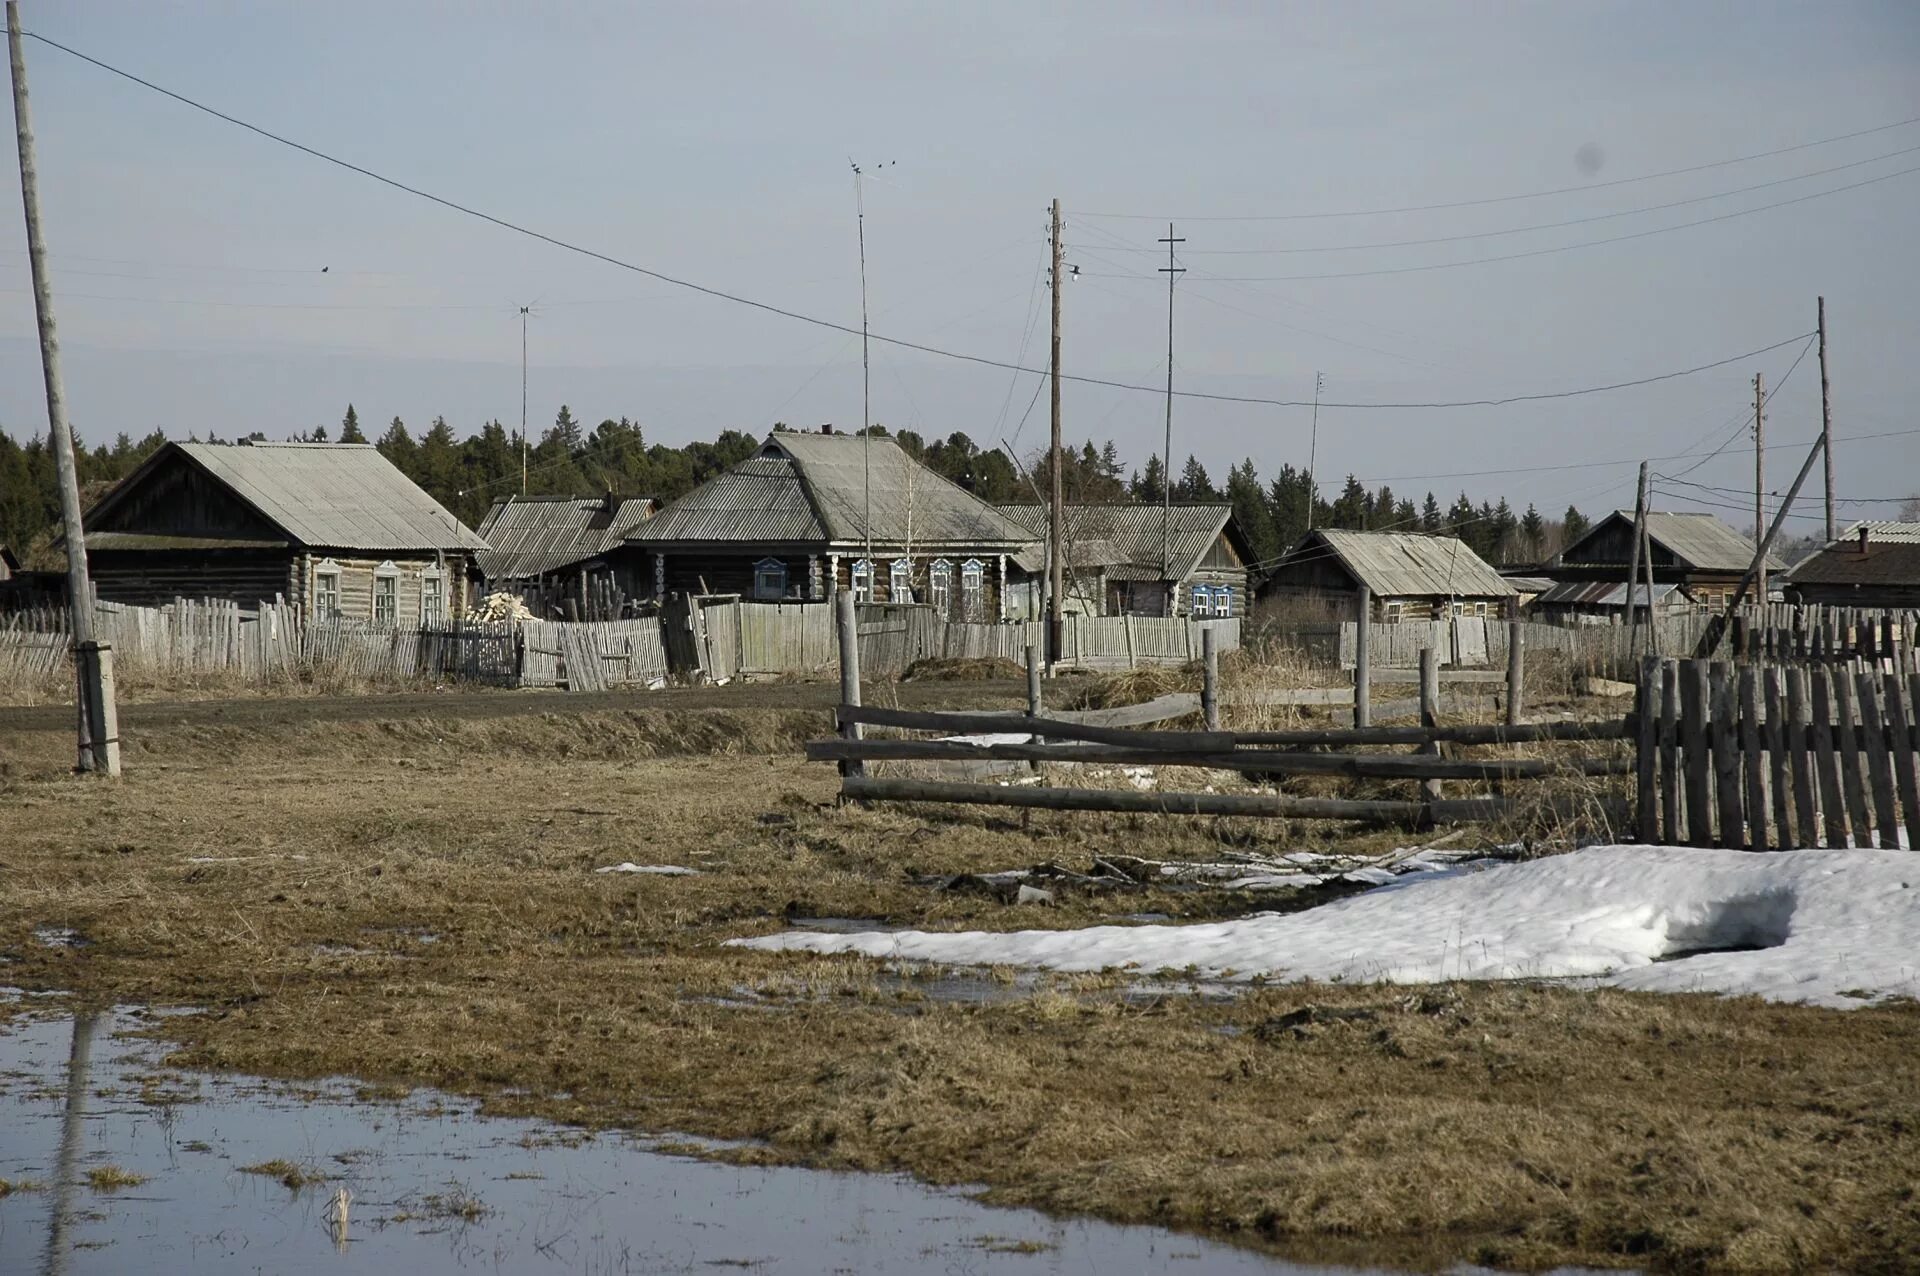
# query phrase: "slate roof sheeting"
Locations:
[[530, 536], [1892, 558], [813, 488], [1601, 593], [322, 495], [1135, 532], [1402, 565], [1700, 542]]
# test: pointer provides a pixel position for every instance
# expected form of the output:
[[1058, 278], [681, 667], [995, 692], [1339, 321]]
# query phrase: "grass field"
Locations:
[[403, 890]]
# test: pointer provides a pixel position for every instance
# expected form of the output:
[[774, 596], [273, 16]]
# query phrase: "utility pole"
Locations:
[[99, 732], [523, 399], [1056, 518], [1633, 561], [1313, 453], [866, 386], [1760, 475], [1826, 416], [1172, 272]]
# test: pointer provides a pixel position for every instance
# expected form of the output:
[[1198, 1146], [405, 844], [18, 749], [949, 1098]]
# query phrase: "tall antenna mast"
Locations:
[[1313, 453], [866, 371], [525, 313], [1172, 272]]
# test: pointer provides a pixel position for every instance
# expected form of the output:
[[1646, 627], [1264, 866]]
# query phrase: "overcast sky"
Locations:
[[712, 142]]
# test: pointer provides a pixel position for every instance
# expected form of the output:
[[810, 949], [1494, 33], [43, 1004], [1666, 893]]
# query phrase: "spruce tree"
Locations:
[[350, 427]]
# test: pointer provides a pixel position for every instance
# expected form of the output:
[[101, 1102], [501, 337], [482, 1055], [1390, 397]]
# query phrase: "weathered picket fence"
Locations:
[[1764, 757]]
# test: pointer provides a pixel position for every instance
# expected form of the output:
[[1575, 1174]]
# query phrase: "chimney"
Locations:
[[1863, 539]]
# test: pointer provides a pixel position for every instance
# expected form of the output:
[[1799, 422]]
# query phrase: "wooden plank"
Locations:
[[1726, 758], [1447, 676], [1696, 761], [1901, 754], [1377, 765], [1128, 800], [1853, 781], [1826, 762], [1879, 762], [1646, 749], [1776, 738], [1054, 728], [1753, 758], [1430, 712], [1800, 759], [1458, 733], [1670, 752]]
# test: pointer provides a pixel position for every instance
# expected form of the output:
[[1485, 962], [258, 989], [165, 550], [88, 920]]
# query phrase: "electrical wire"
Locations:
[[1507, 199], [800, 317]]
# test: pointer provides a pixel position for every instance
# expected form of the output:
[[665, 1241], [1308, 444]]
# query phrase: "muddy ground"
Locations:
[[402, 889]]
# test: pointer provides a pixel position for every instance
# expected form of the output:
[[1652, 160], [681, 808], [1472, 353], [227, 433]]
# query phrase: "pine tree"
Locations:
[[1350, 510], [1250, 511], [1533, 533], [1151, 486], [398, 446], [350, 427], [1430, 516], [1194, 485], [1573, 525], [1289, 500]]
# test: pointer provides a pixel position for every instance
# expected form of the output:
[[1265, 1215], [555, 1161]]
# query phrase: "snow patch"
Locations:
[[658, 870], [1833, 928]]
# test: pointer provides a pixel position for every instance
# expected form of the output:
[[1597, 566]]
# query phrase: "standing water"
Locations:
[[111, 1163]]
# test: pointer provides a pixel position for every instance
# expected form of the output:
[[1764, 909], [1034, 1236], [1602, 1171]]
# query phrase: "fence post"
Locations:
[[1210, 677], [1516, 663], [849, 674], [1362, 660], [1648, 730], [1033, 680], [1430, 711]]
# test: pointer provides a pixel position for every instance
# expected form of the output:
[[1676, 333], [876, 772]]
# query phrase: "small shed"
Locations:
[[1875, 564], [556, 550], [1410, 577], [1599, 602], [1187, 559], [1697, 551], [333, 528]]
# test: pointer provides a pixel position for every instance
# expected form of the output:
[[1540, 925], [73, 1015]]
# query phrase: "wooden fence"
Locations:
[[1764, 758]]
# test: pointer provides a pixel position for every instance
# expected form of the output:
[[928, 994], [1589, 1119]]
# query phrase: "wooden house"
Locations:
[[809, 515], [1696, 551], [566, 554], [1189, 559], [1876, 564], [333, 528], [1410, 577]]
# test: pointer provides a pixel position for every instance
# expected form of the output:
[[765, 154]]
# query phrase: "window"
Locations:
[[973, 588], [769, 578], [1456, 607], [1393, 612], [862, 581], [1479, 609], [940, 586], [386, 598], [1222, 600], [1202, 601], [433, 598], [326, 590], [900, 581]]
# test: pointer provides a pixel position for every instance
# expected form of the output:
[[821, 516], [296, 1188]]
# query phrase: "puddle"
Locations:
[[436, 1189]]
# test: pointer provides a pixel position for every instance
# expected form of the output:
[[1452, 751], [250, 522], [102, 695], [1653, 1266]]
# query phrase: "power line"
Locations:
[[797, 316], [1523, 230], [1507, 199], [1561, 248], [1745, 417]]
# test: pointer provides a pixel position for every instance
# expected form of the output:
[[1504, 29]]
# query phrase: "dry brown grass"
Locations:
[[289, 879], [979, 669], [111, 1178], [290, 1174]]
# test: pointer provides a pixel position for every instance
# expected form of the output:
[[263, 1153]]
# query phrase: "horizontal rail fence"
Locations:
[[1769, 758]]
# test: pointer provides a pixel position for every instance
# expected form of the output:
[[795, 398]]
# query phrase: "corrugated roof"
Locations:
[[1136, 532], [1401, 564], [1892, 557], [814, 487], [539, 534], [1602, 593], [1080, 553], [323, 495], [1698, 541]]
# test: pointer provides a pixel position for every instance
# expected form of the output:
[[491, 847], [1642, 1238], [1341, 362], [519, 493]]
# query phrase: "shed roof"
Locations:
[[533, 535], [323, 495], [1136, 532], [1605, 593], [1892, 557], [1698, 541], [1403, 564], [819, 487]]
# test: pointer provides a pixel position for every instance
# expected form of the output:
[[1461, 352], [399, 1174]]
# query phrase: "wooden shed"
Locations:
[[1410, 577], [1696, 551], [1876, 564], [1188, 559], [333, 528], [566, 554]]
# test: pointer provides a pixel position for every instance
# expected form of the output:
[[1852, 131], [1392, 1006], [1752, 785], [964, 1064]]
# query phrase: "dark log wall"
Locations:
[[153, 578]]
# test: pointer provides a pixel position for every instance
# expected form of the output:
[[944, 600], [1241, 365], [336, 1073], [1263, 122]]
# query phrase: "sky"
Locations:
[[210, 280]]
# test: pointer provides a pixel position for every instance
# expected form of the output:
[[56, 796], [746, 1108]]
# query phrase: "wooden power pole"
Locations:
[[1056, 517], [1826, 416], [1172, 272], [1760, 477], [93, 662]]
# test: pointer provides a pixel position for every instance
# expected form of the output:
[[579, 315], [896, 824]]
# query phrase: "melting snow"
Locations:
[[660, 870], [1835, 928]]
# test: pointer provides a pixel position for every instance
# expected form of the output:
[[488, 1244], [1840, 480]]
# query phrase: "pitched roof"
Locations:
[[1604, 593], [817, 487], [1138, 533], [532, 535], [323, 495], [1403, 564], [1892, 557], [1698, 541]]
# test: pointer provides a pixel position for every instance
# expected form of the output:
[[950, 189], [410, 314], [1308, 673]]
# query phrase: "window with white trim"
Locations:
[[433, 597], [940, 586], [386, 594], [862, 580], [326, 590], [1202, 601], [1392, 612], [900, 581], [1223, 600], [1480, 609], [973, 588], [1456, 606], [770, 579]]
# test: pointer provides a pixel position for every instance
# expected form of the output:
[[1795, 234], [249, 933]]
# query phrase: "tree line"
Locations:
[[468, 474]]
